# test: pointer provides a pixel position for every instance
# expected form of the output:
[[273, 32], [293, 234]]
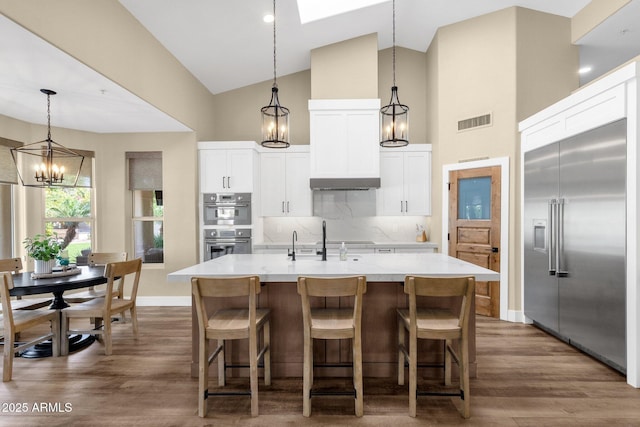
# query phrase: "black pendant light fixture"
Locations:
[[275, 118], [47, 163], [394, 117]]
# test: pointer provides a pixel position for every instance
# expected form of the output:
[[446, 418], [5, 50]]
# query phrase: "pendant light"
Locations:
[[47, 163], [394, 117], [275, 118]]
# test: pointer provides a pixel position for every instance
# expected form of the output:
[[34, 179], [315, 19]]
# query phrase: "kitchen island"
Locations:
[[385, 275]]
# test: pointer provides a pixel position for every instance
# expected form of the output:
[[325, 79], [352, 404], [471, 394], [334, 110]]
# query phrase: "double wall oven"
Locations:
[[227, 224]]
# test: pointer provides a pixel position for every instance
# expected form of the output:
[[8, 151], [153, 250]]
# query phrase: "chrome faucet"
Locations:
[[324, 240], [294, 238]]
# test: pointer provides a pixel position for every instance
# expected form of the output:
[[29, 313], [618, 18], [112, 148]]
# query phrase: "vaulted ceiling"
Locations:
[[226, 45]]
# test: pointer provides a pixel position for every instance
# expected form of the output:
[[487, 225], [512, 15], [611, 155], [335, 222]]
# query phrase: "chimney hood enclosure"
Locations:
[[344, 149]]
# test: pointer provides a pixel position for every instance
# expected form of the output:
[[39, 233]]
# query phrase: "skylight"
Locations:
[[313, 10]]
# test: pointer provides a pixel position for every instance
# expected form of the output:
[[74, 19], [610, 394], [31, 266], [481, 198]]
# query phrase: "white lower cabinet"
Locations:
[[405, 181], [284, 181]]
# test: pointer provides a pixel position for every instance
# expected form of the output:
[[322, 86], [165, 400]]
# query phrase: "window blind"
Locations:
[[145, 170], [8, 173]]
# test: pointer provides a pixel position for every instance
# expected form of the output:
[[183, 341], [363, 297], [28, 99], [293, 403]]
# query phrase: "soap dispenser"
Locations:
[[343, 252]]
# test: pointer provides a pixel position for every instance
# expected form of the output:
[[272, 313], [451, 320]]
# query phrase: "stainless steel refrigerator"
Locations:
[[574, 241]]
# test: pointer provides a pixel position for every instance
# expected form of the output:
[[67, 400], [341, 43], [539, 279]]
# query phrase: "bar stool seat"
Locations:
[[230, 324], [436, 324], [332, 323]]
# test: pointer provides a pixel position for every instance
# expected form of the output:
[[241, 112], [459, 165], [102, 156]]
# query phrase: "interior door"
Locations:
[[474, 228]]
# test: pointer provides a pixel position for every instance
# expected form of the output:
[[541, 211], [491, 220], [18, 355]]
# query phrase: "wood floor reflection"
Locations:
[[525, 378]]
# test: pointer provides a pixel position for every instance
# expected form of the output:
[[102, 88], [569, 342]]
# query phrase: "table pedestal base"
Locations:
[[76, 342]]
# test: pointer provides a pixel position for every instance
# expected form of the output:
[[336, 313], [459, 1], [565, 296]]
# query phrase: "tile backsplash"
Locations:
[[350, 215]]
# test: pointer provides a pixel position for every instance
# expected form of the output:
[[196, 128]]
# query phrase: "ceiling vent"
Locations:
[[474, 122]]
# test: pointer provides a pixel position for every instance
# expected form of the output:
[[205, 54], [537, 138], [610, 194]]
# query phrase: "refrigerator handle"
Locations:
[[562, 272], [551, 236]]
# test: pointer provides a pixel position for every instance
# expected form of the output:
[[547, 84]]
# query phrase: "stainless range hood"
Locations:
[[344, 183]]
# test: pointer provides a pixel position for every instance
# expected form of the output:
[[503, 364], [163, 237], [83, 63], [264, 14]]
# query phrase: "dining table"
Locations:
[[26, 284]]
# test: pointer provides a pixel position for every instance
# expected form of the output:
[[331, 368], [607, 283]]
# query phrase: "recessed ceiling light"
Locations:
[[585, 70], [313, 10], [268, 18]]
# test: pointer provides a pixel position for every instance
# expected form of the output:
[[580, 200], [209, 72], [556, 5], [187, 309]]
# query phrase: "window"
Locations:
[[145, 183], [8, 176], [68, 215]]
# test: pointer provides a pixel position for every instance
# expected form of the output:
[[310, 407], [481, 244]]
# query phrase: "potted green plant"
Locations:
[[43, 249]]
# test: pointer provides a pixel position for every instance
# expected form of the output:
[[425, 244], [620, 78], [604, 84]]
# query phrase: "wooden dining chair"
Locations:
[[230, 324], [14, 266], [332, 323], [97, 259], [436, 324], [103, 309], [13, 322]]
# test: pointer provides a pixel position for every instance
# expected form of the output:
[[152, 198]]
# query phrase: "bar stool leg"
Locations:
[[401, 338], [253, 372], [413, 372], [203, 377], [222, 372], [266, 332], [357, 374], [307, 376]]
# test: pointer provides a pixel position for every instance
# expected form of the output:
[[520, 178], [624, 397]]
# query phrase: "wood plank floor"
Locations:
[[525, 378]]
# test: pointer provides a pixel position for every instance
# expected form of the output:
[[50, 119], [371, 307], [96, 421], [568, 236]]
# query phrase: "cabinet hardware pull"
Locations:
[[283, 206]]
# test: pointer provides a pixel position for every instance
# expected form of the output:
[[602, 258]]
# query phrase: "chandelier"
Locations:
[[275, 118], [47, 163], [394, 117]]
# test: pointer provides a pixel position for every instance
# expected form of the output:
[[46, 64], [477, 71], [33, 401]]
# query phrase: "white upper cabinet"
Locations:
[[226, 170], [344, 138], [405, 181], [284, 182]]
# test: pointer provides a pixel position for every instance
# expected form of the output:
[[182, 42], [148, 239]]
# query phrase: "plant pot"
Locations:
[[44, 267]]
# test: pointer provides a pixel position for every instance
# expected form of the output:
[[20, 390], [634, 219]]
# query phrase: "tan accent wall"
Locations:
[[348, 69], [103, 35], [412, 87], [510, 63], [237, 112], [592, 15]]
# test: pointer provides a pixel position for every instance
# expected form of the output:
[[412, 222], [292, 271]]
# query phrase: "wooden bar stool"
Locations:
[[230, 324], [332, 323], [436, 324]]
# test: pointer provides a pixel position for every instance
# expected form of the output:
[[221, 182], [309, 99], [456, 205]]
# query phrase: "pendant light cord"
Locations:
[[274, 44], [394, 42]]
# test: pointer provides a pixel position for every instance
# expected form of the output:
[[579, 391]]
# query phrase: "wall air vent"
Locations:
[[474, 122]]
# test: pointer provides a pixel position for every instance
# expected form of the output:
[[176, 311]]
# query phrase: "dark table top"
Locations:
[[23, 284]]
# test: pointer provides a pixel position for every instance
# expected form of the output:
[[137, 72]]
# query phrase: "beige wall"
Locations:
[[504, 64], [237, 112], [348, 69], [103, 35], [412, 87]]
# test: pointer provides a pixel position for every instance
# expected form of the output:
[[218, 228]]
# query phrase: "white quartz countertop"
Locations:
[[377, 267]]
